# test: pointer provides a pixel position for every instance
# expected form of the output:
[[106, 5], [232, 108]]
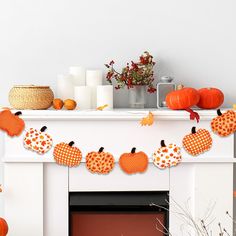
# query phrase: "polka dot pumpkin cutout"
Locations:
[[224, 124], [11, 123], [197, 142], [133, 162], [67, 155], [38, 141], [167, 156], [100, 162]]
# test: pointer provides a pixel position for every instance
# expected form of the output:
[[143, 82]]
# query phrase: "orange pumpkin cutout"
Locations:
[[67, 155], [100, 162], [224, 124], [134, 162], [38, 141], [197, 142], [11, 123], [167, 156], [3, 227]]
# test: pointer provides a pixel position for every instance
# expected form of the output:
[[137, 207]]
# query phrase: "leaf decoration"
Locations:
[[148, 120]]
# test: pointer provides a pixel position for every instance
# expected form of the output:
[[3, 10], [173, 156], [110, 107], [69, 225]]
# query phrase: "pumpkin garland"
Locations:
[[11, 123], [197, 142], [134, 162], [224, 124], [100, 162], [167, 156]]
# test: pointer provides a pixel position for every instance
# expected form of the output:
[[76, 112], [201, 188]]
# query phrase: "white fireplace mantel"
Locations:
[[36, 188]]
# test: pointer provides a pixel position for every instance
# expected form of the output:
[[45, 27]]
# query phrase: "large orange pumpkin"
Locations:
[[224, 124], [3, 227], [210, 98], [67, 155], [100, 162], [133, 162], [182, 99], [11, 123]]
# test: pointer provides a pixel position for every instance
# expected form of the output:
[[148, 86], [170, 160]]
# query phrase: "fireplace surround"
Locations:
[[118, 213], [37, 191]]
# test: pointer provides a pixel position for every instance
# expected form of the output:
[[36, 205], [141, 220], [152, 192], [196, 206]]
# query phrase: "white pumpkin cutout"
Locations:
[[38, 141], [167, 156]]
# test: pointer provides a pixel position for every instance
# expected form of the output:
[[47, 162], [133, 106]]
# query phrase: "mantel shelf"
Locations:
[[116, 114]]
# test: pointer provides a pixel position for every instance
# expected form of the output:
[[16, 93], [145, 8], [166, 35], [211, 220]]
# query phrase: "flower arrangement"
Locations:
[[134, 74]]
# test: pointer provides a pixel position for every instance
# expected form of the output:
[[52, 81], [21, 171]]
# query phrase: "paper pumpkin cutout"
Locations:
[[197, 142], [133, 162], [67, 155], [224, 124], [3, 227], [100, 162], [167, 156], [38, 141], [11, 123], [148, 120]]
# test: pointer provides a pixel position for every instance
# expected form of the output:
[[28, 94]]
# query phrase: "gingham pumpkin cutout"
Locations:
[[100, 162], [167, 156], [67, 155], [38, 141], [224, 124], [197, 142]]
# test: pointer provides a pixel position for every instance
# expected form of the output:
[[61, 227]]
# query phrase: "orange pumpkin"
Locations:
[[100, 162], [11, 123], [133, 162], [67, 155], [182, 99], [224, 124], [197, 142], [3, 227], [210, 98]]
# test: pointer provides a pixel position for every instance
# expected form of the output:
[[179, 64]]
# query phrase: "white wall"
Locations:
[[195, 41]]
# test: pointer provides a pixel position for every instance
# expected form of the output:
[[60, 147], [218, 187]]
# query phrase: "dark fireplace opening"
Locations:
[[118, 213]]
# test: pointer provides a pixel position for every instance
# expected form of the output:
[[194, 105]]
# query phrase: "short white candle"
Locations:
[[93, 79], [105, 96], [83, 97], [65, 87], [78, 74]]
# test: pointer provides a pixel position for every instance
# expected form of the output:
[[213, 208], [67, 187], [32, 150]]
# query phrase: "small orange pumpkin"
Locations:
[[3, 227], [197, 142], [11, 123], [134, 162], [167, 156], [182, 99], [224, 124], [100, 162], [210, 98], [67, 155]]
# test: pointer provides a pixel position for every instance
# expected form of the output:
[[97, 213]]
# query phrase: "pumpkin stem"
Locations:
[[43, 128], [163, 143], [71, 143], [194, 130], [18, 113], [133, 150], [219, 113], [101, 149]]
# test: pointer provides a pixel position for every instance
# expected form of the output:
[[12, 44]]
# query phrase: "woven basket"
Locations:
[[31, 97]]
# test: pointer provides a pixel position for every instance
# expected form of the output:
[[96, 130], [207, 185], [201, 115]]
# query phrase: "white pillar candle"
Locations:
[[78, 74], [93, 79], [105, 96], [65, 87], [83, 97]]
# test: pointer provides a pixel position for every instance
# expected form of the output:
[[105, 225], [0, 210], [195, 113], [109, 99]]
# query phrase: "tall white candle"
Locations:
[[93, 79], [83, 97], [78, 74], [65, 87], [105, 96]]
